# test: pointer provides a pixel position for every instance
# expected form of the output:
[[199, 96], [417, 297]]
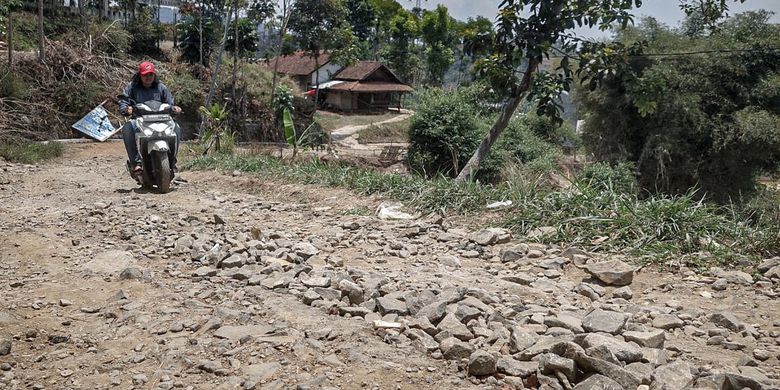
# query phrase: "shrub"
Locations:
[[90, 93], [12, 85], [186, 89], [110, 38], [444, 133]]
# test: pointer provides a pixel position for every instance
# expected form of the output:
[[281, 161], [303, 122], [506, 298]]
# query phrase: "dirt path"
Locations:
[[346, 136], [236, 282]]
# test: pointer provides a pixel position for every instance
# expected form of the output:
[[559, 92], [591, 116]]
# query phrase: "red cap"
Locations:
[[145, 67]]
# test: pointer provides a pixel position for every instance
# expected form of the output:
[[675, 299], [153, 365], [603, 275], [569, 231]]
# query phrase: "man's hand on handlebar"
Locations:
[[129, 111], [176, 110]]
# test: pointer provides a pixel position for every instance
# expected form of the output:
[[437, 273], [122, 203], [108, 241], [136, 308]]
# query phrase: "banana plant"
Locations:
[[215, 117], [289, 132]]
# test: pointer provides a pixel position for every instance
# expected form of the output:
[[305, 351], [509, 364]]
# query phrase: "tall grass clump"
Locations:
[[27, 152]]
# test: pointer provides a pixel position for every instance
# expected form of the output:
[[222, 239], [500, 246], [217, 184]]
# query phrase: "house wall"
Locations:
[[326, 73]]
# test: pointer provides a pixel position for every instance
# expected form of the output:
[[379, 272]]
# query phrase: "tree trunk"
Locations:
[[200, 36], [316, 79], [10, 39], [175, 28], [472, 166], [215, 74], [235, 50], [41, 37], [282, 31]]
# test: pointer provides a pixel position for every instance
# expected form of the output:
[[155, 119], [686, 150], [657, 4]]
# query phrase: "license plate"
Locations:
[[156, 118]]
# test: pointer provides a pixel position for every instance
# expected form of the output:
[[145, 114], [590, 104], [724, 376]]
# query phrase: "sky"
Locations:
[[666, 11]]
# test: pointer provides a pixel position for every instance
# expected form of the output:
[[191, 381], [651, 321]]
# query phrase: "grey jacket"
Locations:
[[136, 91]]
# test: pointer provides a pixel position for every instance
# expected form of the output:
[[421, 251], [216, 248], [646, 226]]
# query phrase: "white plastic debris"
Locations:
[[499, 205], [393, 211]]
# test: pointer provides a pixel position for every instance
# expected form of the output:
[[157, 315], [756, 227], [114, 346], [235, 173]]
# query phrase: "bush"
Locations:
[[13, 86], [110, 38], [444, 133], [186, 89], [78, 104]]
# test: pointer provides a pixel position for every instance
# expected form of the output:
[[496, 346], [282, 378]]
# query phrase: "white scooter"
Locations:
[[156, 141]]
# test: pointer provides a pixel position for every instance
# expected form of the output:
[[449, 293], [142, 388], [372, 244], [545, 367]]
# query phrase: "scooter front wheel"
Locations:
[[163, 171]]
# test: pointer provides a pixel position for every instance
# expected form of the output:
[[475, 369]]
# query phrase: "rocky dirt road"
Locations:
[[235, 282]]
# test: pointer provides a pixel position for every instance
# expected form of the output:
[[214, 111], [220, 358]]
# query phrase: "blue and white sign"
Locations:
[[96, 124]]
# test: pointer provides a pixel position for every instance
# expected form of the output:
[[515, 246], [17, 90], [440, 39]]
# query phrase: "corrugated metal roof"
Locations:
[[298, 63]]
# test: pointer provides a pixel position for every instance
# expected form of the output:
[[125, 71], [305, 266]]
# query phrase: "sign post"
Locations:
[[96, 124]]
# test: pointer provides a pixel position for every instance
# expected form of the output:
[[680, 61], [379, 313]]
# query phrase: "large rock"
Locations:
[[434, 312], [454, 349], [422, 340], [5, 347], [651, 339], [520, 339], [672, 376], [614, 272], [482, 363], [261, 372], [514, 253], [604, 321], [351, 290], [514, 367], [736, 277], [551, 363], [305, 250], [110, 262], [565, 321], [236, 333], [491, 236], [613, 371], [727, 320], [390, 306], [598, 382], [667, 322], [623, 351], [455, 328]]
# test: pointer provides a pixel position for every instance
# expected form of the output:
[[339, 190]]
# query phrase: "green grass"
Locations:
[[30, 152], [388, 132], [655, 229], [331, 121]]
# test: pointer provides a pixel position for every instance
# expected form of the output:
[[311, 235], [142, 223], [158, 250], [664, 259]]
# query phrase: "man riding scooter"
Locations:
[[144, 87]]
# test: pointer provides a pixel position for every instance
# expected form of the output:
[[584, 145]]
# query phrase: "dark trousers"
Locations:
[[133, 156]]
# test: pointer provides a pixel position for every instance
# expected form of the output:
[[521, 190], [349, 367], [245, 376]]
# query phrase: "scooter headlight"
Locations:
[[148, 132]]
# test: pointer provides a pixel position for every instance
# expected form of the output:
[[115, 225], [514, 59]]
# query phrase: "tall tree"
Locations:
[[437, 35], [400, 54], [526, 34], [385, 10], [313, 22], [361, 15]]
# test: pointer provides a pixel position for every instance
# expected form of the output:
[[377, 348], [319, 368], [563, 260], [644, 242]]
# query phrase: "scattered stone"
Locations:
[[513, 367], [676, 375], [218, 220], [454, 349], [491, 236], [391, 306], [455, 328], [604, 321], [650, 339], [551, 363], [449, 261], [667, 322], [131, 273], [623, 293], [482, 363], [613, 371], [735, 277], [514, 253], [352, 291], [5, 347], [598, 382], [720, 285], [615, 272], [728, 321]]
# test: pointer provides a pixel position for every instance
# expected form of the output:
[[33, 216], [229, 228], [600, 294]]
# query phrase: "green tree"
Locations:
[[436, 29], [385, 11], [247, 37], [198, 31], [313, 23], [708, 120], [399, 54], [526, 33], [361, 16], [143, 32]]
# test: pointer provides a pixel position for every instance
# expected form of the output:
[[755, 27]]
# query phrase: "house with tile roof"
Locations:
[[368, 86], [302, 68]]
